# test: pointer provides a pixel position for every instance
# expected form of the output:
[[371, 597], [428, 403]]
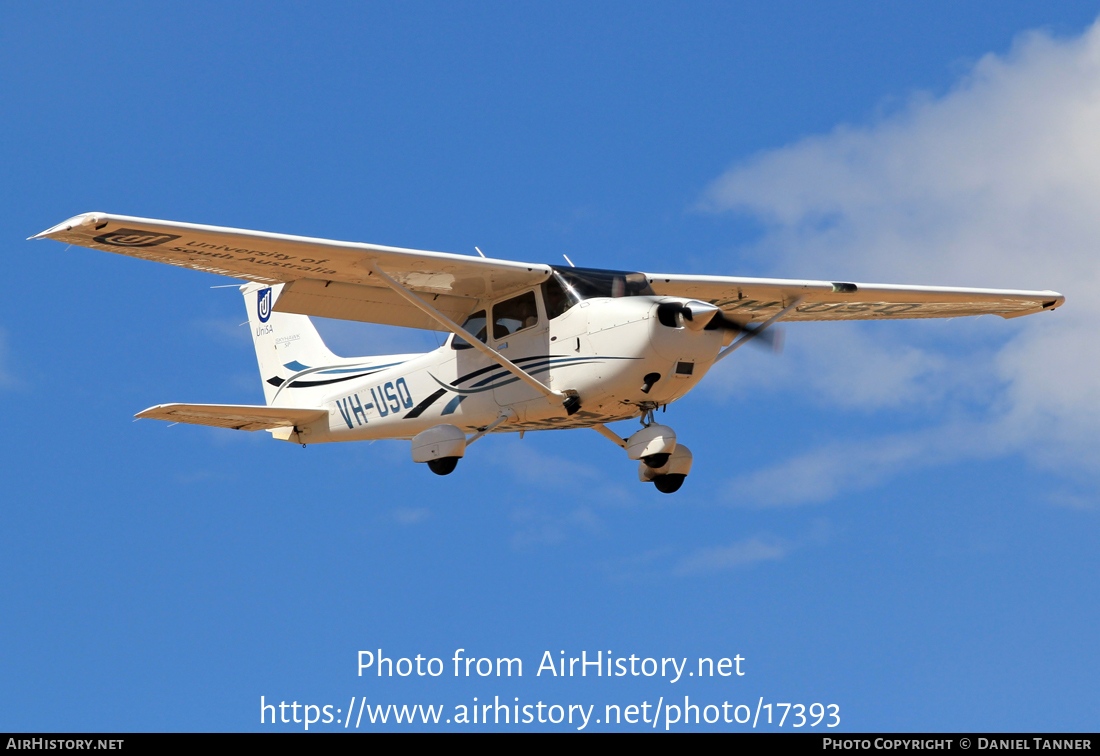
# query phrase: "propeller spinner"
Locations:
[[698, 316]]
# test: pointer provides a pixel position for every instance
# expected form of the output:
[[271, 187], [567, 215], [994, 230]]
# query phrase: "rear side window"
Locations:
[[475, 324], [514, 314]]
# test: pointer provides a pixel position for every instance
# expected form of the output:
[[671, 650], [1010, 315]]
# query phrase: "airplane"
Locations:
[[531, 346]]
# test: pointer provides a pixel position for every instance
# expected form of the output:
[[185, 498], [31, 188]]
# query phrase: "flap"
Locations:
[[333, 299]]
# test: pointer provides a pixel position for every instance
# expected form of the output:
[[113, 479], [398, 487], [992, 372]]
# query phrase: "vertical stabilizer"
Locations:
[[285, 343]]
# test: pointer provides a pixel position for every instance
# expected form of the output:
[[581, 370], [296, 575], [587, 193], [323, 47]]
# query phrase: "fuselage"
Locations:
[[607, 350]]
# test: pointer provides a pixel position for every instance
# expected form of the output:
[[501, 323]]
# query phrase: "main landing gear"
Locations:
[[443, 465], [441, 447]]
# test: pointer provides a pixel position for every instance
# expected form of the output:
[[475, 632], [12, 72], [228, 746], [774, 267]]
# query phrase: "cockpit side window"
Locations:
[[474, 324], [514, 314]]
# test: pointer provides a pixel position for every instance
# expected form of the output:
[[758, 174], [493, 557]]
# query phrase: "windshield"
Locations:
[[588, 283], [475, 324]]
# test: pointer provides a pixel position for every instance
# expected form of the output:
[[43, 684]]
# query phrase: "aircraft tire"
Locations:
[[656, 461], [669, 483], [443, 465]]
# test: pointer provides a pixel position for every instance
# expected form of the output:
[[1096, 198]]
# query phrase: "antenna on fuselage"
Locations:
[[480, 252], [571, 265]]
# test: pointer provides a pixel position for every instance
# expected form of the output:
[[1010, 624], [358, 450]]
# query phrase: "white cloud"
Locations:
[[996, 183], [756, 549], [846, 467], [1074, 501], [850, 365], [670, 559], [410, 515], [528, 463], [227, 329], [640, 568], [538, 525]]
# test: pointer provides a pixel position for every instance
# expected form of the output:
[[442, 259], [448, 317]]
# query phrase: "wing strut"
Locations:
[[759, 329], [505, 415], [476, 343], [609, 434]]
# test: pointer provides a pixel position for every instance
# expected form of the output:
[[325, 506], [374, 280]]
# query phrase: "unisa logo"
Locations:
[[263, 306], [132, 237]]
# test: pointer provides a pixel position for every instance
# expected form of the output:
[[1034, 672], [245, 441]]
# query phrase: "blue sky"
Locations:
[[899, 519]]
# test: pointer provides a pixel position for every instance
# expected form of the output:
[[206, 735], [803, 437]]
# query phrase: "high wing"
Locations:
[[326, 278], [337, 280], [757, 299], [239, 417]]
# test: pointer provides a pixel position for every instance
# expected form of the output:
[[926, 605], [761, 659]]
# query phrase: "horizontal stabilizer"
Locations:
[[237, 416]]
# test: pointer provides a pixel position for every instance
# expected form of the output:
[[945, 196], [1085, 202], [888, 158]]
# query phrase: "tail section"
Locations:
[[286, 344]]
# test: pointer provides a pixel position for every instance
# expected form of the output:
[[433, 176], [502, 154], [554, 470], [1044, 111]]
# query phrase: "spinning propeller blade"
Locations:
[[771, 337]]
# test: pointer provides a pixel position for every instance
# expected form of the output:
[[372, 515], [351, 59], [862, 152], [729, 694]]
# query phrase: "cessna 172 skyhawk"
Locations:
[[532, 347]]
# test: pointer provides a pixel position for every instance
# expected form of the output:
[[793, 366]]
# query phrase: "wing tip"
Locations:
[[144, 414], [1055, 301], [93, 219]]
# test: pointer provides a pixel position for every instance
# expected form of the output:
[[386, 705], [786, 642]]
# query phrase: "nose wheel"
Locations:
[[668, 483], [661, 460]]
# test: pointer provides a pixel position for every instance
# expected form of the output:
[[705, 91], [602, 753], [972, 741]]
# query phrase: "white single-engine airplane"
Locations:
[[532, 347]]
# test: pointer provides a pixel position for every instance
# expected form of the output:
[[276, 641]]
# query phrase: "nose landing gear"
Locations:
[[661, 460], [669, 483], [670, 476]]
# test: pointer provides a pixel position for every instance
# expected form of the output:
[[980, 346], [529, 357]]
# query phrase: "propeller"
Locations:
[[698, 316], [769, 337]]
